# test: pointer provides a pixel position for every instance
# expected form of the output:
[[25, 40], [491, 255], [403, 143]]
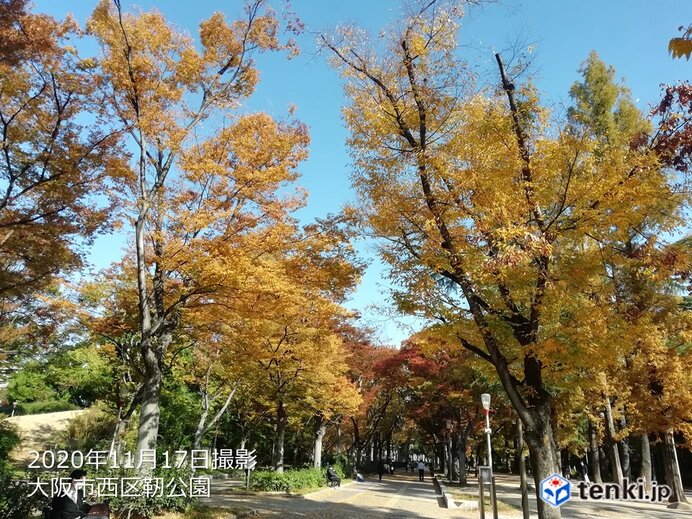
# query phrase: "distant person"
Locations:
[[69, 504], [391, 467], [421, 471], [332, 477], [357, 476], [381, 469]]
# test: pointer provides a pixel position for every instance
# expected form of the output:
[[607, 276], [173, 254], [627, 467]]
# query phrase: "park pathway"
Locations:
[[401, 495]]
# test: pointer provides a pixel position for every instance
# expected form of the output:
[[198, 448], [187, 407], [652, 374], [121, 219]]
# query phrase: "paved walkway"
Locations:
[[576, 508], [401, 495]]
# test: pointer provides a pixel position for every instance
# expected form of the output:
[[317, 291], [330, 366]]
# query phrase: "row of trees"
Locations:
[[539, 243], [536, 240], [220, 288]]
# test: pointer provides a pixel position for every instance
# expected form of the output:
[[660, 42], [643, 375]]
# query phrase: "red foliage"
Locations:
[[673, 140]]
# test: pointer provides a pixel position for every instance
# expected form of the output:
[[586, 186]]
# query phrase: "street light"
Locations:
[[485, 400]]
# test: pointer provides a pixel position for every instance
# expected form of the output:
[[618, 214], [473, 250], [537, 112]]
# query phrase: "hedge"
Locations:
[[291, 480]]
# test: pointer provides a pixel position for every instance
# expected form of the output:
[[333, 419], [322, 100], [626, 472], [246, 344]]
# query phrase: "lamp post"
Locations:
[[485, 400]]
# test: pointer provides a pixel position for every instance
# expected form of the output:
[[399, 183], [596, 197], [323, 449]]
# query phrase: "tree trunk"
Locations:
[[116, 450], [450, 458], [389, 446], [319, 432], [544, 460], [672, 468], [624, 449], [297, 439], [281, 421], [338, 436], [594, 458], [645, 472], [202, 425], [614, 455], [461, 453], [147, 434]]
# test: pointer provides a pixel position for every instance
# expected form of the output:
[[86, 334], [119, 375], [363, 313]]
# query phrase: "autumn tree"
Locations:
[[641, 267], [484, 193], [362, 357], [193, 205], [289, 335], [57, 162]]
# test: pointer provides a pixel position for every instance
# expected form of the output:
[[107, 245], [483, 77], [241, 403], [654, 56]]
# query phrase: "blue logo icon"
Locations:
[[555, 490]]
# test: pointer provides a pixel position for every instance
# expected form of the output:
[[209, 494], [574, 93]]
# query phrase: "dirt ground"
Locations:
[[40, 432]]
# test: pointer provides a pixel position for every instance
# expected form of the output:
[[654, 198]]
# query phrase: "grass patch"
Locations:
[[501, 505]]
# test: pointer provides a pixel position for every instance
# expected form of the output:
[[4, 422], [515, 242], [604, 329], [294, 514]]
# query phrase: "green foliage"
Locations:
[[15, 502], [46, 406], [146, 507], [339, 463], [180, 409], [603, 106], [92, 429], [9, 439], [291, 480], [30, 385], [66, 380]]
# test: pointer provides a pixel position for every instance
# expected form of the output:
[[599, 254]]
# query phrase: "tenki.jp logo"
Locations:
[[555, 490]]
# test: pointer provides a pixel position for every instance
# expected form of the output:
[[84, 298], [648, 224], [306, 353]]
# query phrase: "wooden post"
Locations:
[[494, 496]]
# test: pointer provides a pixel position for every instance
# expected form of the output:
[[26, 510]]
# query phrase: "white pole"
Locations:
[[487, 433]]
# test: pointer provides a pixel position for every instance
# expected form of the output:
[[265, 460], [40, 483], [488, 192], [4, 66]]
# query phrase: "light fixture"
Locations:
[[485, 400]]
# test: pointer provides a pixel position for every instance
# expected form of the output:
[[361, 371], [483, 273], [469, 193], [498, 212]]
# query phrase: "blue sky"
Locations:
[[631, 35]]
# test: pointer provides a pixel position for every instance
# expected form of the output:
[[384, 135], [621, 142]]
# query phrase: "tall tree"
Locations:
[[186, 197], [486, 193]]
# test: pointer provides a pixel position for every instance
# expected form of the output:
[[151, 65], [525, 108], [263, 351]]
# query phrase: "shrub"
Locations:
[[269, 481], [15, 501], [340, 465], [45, 406], [9, 439], [291, 480], [142, 507], [92, 429]]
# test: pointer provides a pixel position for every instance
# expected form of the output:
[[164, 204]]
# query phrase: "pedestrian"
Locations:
[[421, 471], [69, 504], [380, 469]]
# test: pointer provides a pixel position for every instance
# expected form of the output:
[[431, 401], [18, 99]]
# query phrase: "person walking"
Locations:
[[380, 469], [421, 471]]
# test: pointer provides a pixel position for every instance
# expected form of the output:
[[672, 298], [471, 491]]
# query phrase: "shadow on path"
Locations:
[[400, 495]]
